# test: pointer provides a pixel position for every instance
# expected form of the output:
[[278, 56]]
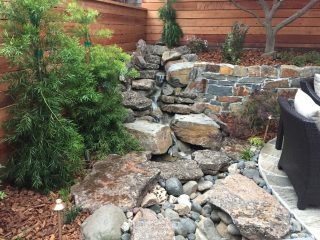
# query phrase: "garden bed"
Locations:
[[25, 214], [254, 57]]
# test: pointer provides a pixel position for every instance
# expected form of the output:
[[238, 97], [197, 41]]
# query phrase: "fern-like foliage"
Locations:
[[172, 32], [46, 148]]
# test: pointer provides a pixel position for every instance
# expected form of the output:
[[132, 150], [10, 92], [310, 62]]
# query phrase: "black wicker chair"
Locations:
[[299, 139], [308, 87]]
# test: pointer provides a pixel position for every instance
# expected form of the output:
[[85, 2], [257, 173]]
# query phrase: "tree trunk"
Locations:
[[270, 40]]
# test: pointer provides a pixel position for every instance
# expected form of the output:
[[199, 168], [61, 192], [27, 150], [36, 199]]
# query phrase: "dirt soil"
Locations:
[[25, 214], [250, 57]]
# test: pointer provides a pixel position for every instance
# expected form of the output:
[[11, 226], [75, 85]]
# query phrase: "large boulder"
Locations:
[[256, 213], [143, 84], [184, 170], [197, 129], [178, 74], [211, 162], [136, 101], [119, 180], [170, 56], [154, 137], [104, 223]]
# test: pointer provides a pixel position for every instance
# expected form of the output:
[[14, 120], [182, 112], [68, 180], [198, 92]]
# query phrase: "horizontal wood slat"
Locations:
[[213, 19]]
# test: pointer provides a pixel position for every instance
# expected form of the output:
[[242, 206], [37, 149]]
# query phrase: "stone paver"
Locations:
[[283, 190]]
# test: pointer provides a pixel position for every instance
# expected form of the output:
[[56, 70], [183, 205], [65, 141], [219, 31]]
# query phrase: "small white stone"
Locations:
[[184, 199], [126, 226], [181, 209], [172, 199], [233, 168]]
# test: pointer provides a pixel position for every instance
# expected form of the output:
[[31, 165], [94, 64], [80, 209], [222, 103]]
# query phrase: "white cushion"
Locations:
[[316, 83], [305, 106]]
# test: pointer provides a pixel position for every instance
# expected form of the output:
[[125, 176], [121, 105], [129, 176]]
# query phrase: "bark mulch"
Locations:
[[249, 58], [25, 214]]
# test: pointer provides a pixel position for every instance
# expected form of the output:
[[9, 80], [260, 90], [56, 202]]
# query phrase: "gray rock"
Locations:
[[176, 108], [191, 236], [130, 116], [167, 99], [119, 180], [174, 187], [251, 173], [206, 230], [179, 237], [225, 217], [125, 236], [180, 100], [156, 208], [179, 228], [170, 55], [104, 223], [153, 59], [190, 187], [197, 129], [196, 207], [136, 101], [204, 185], [189, 225], [210, 178], [141, 47], [211, 162], [143, 84], [206, 210], [156, 49], [190, 57], [167, 205], [222, 230], [233, 230], [214, 216], [295, 225], [154, 137], [167, 90], [145, 229], [242, 199], [194, 215], [150, 74], [170, 214], [183, 49], [181, 169]]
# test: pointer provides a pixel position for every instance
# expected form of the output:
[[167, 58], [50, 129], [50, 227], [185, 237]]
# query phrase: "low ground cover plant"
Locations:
[[312, 57], [197, 44]]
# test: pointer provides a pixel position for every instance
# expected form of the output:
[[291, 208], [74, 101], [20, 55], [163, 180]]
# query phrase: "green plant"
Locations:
[[46, 146], [312, 57], [197, 45], [64, 194], [3, 195], [71, 214], [101, 120], [232, 48], [247, 154], [171, 32], [256, 141]]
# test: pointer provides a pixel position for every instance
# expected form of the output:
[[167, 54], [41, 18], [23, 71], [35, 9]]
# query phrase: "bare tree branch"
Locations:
[[265, 7], [248, 11], [275, 6], [296, 15]]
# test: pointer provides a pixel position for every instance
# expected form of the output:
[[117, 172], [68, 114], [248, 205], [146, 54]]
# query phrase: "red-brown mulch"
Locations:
[[25, 214], [249, 57]]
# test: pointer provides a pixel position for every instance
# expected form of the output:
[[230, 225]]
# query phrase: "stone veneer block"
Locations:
[[240, 90], [240, 71], [269, 71], [289, 71], [272, 84], [309, 71], [226, 69], [254, 71], [220, 90], [213, 68], [229, 99]]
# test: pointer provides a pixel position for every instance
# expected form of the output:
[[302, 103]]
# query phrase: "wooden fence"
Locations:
[[212, 20], [128, 24]]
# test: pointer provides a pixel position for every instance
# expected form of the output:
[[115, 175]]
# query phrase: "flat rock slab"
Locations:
[[153, 137], [211, 162], [184, 170], [136, 101], [152, 229], [257, 214], [118, 180], [197, 129]]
